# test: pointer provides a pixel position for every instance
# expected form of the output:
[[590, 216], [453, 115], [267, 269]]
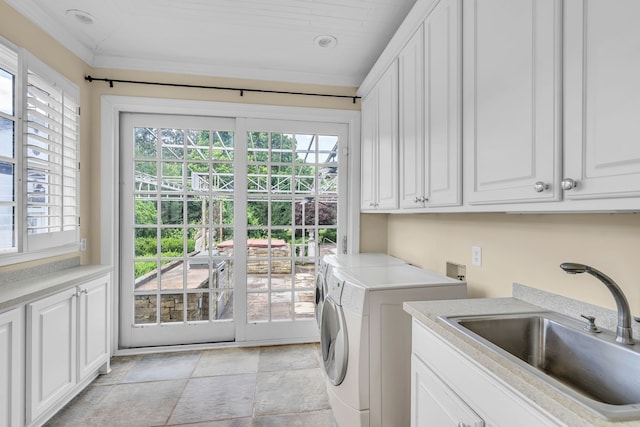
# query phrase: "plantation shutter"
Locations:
[[52, 145]]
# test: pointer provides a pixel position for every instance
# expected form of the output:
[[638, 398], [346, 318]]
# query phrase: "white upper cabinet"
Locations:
[[379, 148], [430, 133], [505, 105], [511, 116], [368, 147], [411, 127], [602, 98], [443, 97]]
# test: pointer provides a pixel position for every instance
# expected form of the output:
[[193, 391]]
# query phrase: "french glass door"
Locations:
[[223, 224], [177, 206], [294, 209]]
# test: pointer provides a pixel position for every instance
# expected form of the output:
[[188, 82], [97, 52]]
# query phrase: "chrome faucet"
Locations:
[[624, 332]]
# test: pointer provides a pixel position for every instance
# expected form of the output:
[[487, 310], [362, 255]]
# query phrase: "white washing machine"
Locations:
[[366, 340], [335, 261]]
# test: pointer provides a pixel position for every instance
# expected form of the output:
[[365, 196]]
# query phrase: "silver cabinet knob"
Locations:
[[416, 200], [424, 199], [540, 186], [568, 184], [461, 424]]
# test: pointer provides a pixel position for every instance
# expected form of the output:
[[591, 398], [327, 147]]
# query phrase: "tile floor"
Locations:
[[236, 387]]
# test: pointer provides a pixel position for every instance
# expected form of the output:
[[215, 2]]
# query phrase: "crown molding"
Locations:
[[53, 28]]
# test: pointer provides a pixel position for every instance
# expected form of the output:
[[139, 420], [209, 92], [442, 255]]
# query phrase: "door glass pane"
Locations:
[[304, 304], [146, 308]]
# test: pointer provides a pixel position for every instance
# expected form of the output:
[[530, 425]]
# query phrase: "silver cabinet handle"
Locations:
[[416, 200], [461, 424], [568, 184], [424, 199], [540, 186]]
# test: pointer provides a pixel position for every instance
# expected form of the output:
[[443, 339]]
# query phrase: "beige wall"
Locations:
[[526, 249]]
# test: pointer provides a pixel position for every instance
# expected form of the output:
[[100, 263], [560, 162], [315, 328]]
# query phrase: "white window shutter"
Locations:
[[52, 144]]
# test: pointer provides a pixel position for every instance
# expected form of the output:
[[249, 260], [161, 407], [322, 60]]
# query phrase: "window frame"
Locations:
[[34, 246]]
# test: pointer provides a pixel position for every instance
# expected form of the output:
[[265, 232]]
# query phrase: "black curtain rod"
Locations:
[[235, 89]]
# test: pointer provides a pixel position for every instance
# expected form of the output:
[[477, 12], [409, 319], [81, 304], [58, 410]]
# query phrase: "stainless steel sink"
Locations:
[[591, 368]]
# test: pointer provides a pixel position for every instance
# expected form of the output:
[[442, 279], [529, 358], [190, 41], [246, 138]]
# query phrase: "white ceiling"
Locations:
[[255, 39]]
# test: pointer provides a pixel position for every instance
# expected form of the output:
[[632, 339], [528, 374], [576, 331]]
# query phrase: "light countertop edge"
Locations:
[[23, 291], [514, 377]]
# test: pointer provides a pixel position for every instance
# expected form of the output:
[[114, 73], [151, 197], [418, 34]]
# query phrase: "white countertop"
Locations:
[[520, 380], [22, 291]]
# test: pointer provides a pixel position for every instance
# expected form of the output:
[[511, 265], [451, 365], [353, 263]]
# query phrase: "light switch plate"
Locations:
[[476, 256]]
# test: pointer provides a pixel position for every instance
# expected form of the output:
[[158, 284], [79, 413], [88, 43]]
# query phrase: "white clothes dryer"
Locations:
[[336, 261], [366, 340]]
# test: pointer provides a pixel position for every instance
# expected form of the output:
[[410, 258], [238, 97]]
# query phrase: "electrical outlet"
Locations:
[[83, 244], [476, 256]]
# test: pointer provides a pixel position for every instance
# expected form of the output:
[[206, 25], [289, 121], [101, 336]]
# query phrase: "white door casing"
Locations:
[[113, 106]]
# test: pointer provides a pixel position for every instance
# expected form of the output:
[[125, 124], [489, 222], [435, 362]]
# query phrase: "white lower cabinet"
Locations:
[[51, 350], [462, 393], [434, 404], [93, 327], [67, 343], [11, 367]]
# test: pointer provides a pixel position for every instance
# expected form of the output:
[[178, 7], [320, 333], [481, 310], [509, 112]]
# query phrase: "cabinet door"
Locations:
[[602, 98], [388, 139], [511, 101], [434, 404], [411, 133], [368, 149], [93, 326], [442, 118], [11, 367], [51, 350]]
